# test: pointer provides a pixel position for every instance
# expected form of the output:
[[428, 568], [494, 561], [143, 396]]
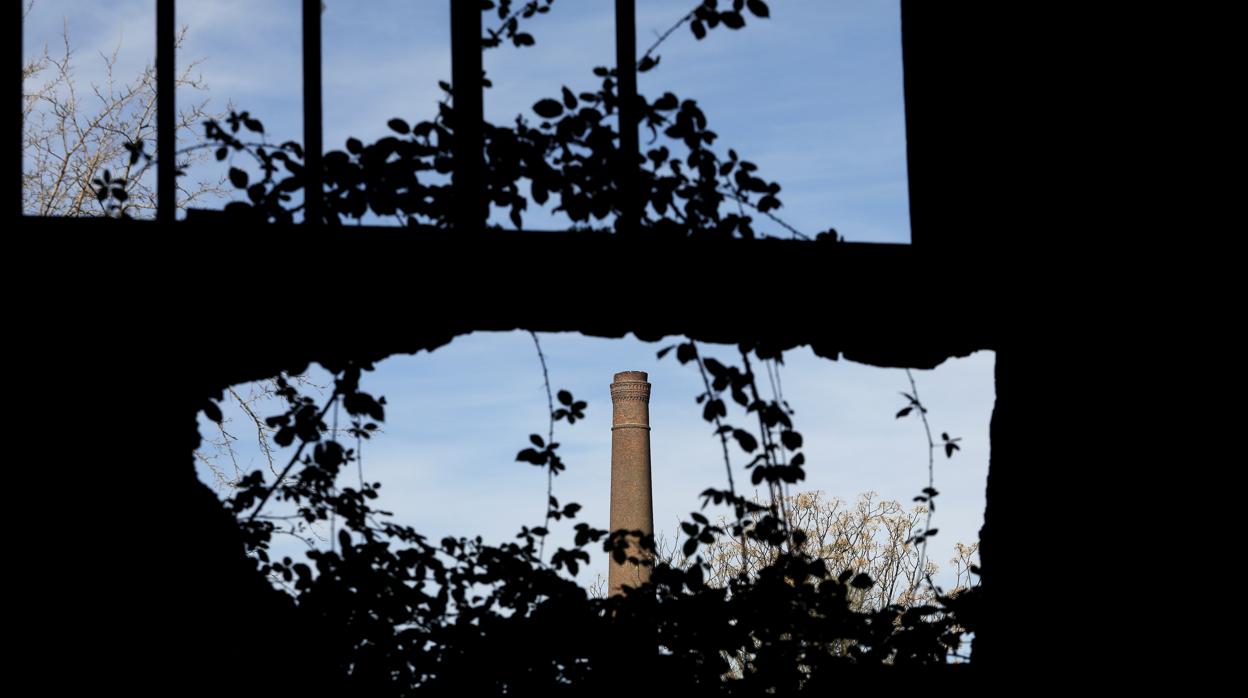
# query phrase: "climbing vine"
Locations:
[[405, 614]]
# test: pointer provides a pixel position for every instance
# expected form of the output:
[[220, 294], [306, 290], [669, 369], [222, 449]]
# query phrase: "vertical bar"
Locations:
[[166, 131], [12, 158], [626, 72], [313, 125], [468, 210], [921, 85]]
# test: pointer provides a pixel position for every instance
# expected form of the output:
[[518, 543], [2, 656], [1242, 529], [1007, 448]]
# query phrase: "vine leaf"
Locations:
[[548, 108], [732, 20], [746, 439]]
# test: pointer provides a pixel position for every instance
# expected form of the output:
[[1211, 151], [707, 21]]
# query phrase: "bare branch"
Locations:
[[68, 141]]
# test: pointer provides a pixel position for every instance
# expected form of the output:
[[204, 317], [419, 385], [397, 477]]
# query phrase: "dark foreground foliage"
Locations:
[[396, 614]]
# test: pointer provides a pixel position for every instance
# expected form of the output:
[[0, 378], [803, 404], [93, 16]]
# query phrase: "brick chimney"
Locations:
[[632, 505]]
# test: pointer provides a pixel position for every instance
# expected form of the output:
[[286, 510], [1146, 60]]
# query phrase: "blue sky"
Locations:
[[813, 95]]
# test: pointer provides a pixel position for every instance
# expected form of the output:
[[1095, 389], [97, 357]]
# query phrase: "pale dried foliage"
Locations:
[[218, 449], [73, 132], [242, 442], [965, 563], [872, 536]]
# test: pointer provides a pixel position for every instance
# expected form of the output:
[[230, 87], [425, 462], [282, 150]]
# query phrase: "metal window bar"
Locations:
[[166, 129], [468, 206], [313, 124], [626, 74]]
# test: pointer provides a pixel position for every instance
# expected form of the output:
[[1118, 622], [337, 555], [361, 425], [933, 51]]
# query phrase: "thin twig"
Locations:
[[359, 455], [931, 474], [550, 438], [779, 385], [723, 442], [779, 491], [741, 199], [261, 434], [663, 37], [293, 459]]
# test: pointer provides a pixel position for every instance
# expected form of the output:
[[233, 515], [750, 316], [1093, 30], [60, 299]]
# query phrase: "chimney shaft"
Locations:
[[632, 506]]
